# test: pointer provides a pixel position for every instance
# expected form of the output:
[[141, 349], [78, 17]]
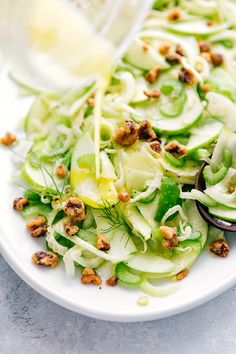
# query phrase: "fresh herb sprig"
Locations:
[[115, 217], [45, 172]]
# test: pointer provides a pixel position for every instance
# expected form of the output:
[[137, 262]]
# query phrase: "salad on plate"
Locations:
[[169, 107]]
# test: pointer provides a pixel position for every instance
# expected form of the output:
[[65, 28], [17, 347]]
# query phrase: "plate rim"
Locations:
[[48, 293], [60, 300]]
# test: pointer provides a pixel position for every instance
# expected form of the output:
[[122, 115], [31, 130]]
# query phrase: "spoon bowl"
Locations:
[[203, 210]]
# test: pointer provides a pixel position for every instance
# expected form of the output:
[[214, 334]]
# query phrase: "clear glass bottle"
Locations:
[[55, 42]]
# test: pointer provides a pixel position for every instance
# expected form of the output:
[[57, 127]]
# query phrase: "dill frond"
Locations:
[[115, 217], [44, 172]]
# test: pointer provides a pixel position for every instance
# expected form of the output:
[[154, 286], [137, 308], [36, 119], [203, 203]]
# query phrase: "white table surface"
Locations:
[[30, 324]]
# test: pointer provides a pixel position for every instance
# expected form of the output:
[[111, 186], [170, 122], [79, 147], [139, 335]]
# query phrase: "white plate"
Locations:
[[208, 277]]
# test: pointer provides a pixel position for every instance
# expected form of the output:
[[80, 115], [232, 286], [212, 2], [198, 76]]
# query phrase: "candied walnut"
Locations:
[[153, 74], [91, 102], [61, 171], [179, 50], [145, 131], [187, 76], [210, 23], [8, 139], [170, 239], [231, 189], [112, 281], [37, 226], [206, 87], [20, 203], [89, 276], [164, 48], [183, 274], [204, 47], [174, 15], [75, 207], [219, 248], [145, 46], [206, 56], [155, 146], [152, 93], [128, 134], [216, 59], [173, 58], [124, 197], [45, 258], [102, 243], [199, 67], [56, 199], [176, 149], [69, 227]]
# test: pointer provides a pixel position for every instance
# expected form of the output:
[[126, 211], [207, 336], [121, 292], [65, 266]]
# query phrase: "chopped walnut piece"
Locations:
[[89, 276], [199, 67], [164, 48], [219, 248], [207, 57], [91, 102], [217, 59], [37, 226], [124, 197], [179, 50], [56, 199], [20, 203], [69, 227], [183, 274], [173, 58], [145, 131], [8, 139], [204, 47], [75, 207], [174, 15], [112, 281], [61, 171], [155, 146], [152, 93], [128, 134], [102, 243], [170, 239], [145, 46], [187, 76], [176, 149], [231, 189], [153, 74], [206, 87], [45, 258], [210, 23]]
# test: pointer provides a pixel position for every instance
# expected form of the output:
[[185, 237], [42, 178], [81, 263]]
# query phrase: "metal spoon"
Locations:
[[203, 210]]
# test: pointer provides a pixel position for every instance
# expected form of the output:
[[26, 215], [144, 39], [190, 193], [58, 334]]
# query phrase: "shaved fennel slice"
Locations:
[[75, 255], [102, 84], [199, 196], [158, 291], [68, 259], [172, 211], [152, 186], [53, 244], [118, 257], [128, 84]]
